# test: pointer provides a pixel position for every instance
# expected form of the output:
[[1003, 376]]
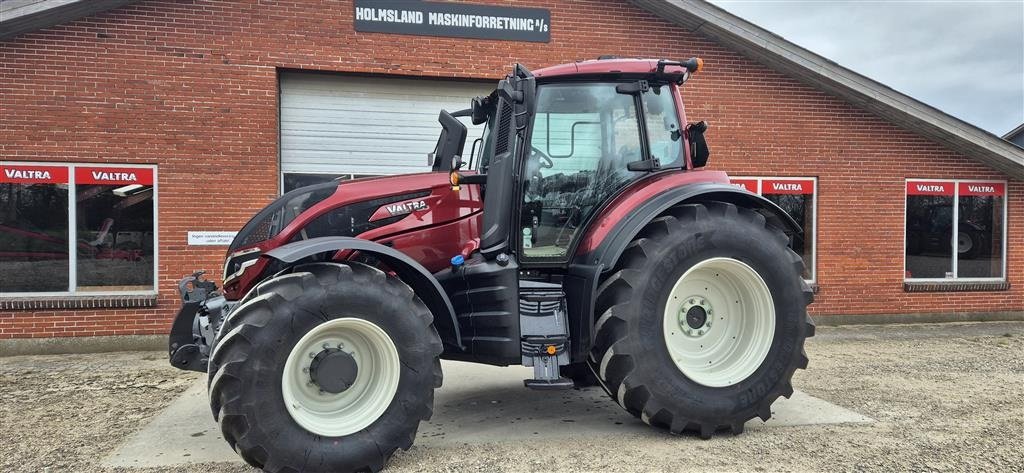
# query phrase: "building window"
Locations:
[[798, 197], [34, 229], [71, 229], [955, 229]]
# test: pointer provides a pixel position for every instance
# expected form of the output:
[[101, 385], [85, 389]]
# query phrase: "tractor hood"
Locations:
[[381, 208], [356, 207]]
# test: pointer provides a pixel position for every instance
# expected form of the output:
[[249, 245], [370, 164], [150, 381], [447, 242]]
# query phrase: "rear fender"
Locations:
[[607, 251], [407, 269]]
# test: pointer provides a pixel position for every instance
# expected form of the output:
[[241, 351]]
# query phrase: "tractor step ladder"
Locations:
[[544, 334]]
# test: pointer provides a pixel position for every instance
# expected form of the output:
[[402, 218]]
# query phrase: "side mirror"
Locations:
[[699, 152], [633, 88], [449, 143]]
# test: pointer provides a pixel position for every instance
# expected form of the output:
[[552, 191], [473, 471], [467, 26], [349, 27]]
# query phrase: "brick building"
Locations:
[[135, 133]]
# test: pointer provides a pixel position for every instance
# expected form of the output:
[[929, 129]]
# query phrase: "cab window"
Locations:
[[663, 130], [584, 136]]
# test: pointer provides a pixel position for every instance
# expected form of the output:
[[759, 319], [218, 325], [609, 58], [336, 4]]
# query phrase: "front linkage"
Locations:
[[202, 311]]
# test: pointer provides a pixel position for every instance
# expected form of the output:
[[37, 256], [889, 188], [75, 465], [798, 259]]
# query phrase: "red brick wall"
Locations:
[[192, 87]]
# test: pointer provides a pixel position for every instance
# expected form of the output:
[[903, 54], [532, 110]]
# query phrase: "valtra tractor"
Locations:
[[582, 237]]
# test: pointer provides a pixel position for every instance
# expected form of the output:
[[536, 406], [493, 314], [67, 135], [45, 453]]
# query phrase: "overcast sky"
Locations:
[[965, 58]]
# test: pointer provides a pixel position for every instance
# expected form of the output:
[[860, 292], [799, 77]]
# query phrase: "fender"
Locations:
[[608, 249], [407, 269], [603, 253]]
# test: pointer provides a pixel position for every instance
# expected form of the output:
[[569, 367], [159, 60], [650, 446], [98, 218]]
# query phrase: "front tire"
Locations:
[[702, 323], [328, 368]]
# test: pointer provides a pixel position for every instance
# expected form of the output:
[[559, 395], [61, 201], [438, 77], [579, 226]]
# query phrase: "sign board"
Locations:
[[750, 185], [457, 20], [29, 174], [787, 186], [204, 238], [940, 188], [982, 189], [113, 176]]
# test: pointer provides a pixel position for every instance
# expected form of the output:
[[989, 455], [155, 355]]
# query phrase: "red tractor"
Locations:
[[585, 241]]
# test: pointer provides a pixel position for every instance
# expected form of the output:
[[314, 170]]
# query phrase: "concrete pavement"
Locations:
[[478, 404]]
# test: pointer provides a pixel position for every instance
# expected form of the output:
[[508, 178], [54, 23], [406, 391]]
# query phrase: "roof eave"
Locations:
[[21, 19], [775, 52]]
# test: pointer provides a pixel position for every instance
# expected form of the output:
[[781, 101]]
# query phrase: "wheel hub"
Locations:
[[731, 295], [333, 370], [340, 376], [694, 316]]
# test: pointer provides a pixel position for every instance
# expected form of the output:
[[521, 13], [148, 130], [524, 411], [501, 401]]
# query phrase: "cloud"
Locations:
[[965, 58]]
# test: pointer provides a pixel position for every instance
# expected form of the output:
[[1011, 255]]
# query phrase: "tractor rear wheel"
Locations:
[[702, 323], [328, 368]]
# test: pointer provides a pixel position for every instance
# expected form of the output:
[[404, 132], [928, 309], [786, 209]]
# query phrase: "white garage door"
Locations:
[[335, 125]]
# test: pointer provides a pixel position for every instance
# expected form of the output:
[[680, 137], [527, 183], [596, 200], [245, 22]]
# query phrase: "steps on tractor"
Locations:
[[544, 334]]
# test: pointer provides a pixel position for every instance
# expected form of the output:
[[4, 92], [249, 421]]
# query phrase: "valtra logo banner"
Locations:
[[750, 185], [28, 174], [113, 176], [979, 189], [787, 186], [930, 188]]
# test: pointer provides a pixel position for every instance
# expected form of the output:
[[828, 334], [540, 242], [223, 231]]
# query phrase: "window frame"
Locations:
[[814, 214], [73, 233], [956, 224]]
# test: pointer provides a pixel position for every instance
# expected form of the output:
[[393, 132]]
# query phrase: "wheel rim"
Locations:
[[719, 322], [362, 403], [964, 243]]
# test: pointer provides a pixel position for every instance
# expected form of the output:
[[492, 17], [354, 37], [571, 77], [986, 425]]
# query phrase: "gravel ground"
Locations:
[[946, 397]]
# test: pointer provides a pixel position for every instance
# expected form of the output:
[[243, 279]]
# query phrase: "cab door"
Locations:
[[584, 136]]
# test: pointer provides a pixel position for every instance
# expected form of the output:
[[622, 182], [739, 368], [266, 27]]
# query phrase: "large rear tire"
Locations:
[[328, 368], [702, 323]]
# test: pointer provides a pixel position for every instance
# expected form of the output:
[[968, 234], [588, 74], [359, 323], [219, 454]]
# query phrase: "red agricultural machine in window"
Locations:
[[585, 241]]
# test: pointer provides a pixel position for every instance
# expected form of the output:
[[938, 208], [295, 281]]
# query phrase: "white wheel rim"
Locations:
[[738, 327], [352, 410], [964, 242]]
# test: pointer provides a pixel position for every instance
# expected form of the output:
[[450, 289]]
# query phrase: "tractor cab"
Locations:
[[558, 145], [563, 141]]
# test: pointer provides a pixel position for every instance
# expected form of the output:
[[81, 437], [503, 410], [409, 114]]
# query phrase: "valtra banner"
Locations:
[[939, 188], [749, 184], [982, 189], [787, 186], [29, 174], [113, 176]]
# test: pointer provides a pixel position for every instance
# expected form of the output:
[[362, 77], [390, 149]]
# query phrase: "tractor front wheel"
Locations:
[[702, 323], [330, 367]]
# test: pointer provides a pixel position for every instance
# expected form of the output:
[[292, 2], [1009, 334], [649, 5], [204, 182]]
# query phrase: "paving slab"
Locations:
[[477, 404]]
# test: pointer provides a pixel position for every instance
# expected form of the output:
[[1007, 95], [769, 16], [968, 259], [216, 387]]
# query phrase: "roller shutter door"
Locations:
[[344, 125]]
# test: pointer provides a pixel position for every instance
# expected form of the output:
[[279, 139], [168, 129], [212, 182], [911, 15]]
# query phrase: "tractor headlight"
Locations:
[[237, 262]]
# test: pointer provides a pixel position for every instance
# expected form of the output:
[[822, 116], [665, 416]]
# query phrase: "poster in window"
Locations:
[[929, 229], [796, 198], [114, 210], [979, 233], [34, 248]]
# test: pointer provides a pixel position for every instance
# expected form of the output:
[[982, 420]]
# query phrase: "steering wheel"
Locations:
[[545, 160]]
